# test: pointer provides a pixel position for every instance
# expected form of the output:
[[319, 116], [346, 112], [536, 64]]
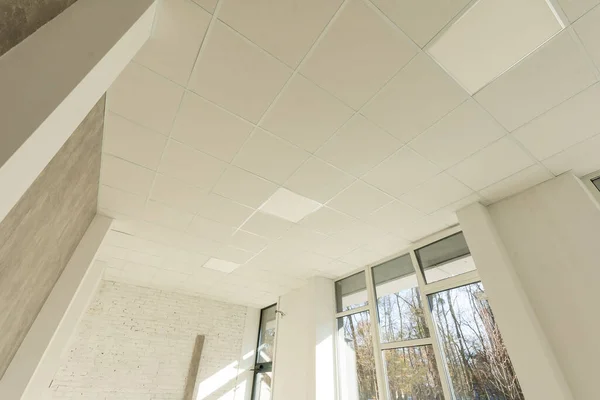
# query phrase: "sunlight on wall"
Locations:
[[325, 365], [213, 383]]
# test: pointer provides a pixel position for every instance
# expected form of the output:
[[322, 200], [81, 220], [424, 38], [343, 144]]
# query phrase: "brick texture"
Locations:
[[135, 343]]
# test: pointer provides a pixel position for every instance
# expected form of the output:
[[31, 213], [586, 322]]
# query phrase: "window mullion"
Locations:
[[372, 304], [432, 331]]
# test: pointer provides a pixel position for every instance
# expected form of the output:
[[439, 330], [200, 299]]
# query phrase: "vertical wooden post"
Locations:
[[190, 382]]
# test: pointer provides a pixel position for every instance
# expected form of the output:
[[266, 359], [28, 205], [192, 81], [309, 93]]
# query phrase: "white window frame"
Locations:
[[425, 289]]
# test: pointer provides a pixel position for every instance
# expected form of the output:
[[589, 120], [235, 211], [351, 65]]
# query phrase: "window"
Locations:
[[263, 367], [433, 335]]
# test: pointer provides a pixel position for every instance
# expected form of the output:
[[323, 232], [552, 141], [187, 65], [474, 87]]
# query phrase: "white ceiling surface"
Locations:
[[335, 101]]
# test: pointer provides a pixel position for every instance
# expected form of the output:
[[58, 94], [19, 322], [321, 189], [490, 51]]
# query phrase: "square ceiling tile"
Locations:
[[419, 95], [132, 142], [176, 194], [388, 245], [236, 74], [221, 265], [248, 241], [210, 229], [305, 114], [145, 97], [161, 214], [492, 164], [576, 8], [567, 124], [220, 209], [327, 220], [269, 156], [318, 180], [582, 158], [439, 191], [360, 38], [391, 216], [359, 234], [362, 257], [208, 128], [190, 165], [491, 37], [233, 254], [358, 146], [401, 172], [285, 28], [244, 187], [423, 19], [588, 30], [129, 204], [516, 183], [208, 5], [556, 71], [465, 130], [126, 176], [266, 225], [177, 34], [289, 205], [423, 227], [360, 200]]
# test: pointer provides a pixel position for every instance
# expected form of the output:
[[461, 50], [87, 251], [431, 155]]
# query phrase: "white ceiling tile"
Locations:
[[491, 37], [423, 227], [244, 187], [269, 156], [177, 34], [576, 8], [332, 247], [588, 30], [206, 127], [126, 176], [161, 214], [465, 130], [389, 245], [358, 146], [362, 257], [556, 71], [289, 205], [305, 114], [423, 19], [419, 95], [567, 124], [129, 204], [190, 165], [285, 28], [145, 97], [233, 254], [176, 194], [266, 225], [327, 220], [318, 180], [360, 200], [248, 241], [392, 215], [143, 258], [132, 142], [439, 191], [492, 164], [221, 265], [582, 158], [210, 229], [208, 5], [223, 210], [236, 74], [358, 54], [401, 172], [516, 183]]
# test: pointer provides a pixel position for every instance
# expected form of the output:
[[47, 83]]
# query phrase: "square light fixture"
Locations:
[[221, 265], [491, 37], [289, 205]]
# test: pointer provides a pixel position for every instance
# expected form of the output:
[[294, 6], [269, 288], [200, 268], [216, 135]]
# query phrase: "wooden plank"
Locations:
[[190, 382]]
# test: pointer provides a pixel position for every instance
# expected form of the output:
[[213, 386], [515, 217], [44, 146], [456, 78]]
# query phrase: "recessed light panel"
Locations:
[[491, 37], [221, 265], [289, 205]]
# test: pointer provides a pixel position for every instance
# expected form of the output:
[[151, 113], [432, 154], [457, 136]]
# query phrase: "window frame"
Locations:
[[425, 289]]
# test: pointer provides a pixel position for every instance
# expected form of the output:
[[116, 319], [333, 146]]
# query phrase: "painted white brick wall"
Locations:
[[135, 343]]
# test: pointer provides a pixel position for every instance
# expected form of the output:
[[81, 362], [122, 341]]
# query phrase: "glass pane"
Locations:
[[445, 258], [266, 338], [351, 292], [399, 306], [262, 386], [411, 373], [476, 359], [356, 364]]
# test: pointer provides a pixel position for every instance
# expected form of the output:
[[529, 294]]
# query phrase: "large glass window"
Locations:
[[445, 258], [476, 360], [351, 292], [263, 367]]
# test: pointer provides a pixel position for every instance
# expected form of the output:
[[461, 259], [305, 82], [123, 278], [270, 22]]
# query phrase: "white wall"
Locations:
[[135, 343], [304, 357]]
